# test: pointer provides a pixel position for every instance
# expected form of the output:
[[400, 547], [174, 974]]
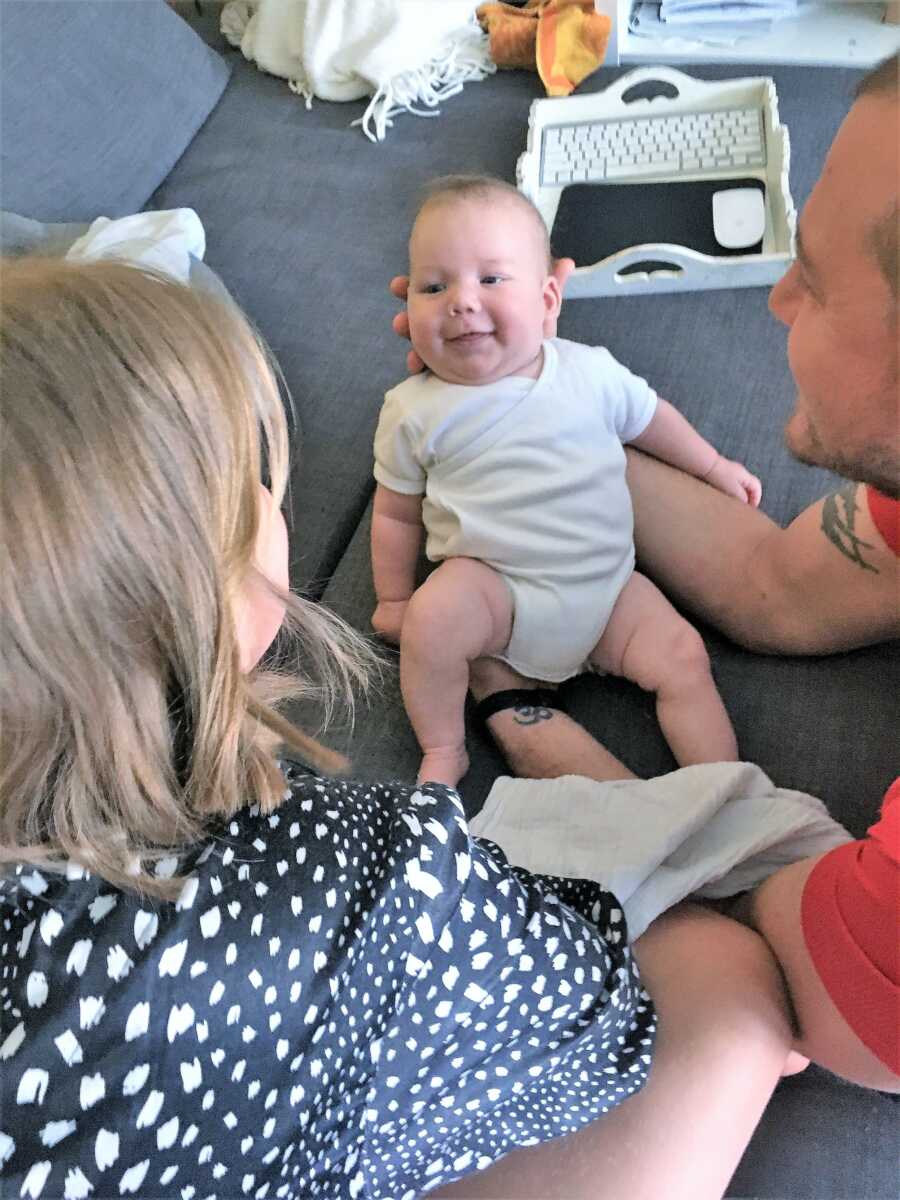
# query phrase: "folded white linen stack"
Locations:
[[711, 830], [405, 54]]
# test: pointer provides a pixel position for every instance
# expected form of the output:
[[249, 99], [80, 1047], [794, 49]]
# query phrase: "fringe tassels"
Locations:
[[466, 60], [418, 91]]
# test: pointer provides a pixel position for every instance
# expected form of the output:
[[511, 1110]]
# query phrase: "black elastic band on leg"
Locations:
[[517, 698]]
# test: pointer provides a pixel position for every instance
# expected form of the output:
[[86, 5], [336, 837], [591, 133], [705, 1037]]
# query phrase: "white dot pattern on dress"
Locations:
[[351, 998]]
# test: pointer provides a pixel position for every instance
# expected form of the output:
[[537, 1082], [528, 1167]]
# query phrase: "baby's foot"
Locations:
[[446, 764]]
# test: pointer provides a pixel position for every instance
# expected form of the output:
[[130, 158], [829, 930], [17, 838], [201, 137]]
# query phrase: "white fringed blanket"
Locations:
[[407, 55]]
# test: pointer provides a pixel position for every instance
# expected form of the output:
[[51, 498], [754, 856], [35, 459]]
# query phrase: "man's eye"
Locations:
[[803, 280], [489, 279]]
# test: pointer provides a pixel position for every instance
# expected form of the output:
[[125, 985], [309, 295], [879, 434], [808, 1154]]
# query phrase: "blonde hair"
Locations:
[[136, 417]]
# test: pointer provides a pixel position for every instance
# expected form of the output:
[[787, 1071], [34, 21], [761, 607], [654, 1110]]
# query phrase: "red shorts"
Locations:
[[849, 914]]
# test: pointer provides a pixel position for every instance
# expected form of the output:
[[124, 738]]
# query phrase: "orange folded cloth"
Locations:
[[563, 40]]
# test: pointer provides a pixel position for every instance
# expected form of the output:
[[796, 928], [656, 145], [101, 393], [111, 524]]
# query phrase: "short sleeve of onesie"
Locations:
[[352, 998], [631, 399], [396, 464]]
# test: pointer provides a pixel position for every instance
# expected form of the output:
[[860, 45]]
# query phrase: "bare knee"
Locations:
[[433, 613], [666, 656], [462, 607], [684, 655]]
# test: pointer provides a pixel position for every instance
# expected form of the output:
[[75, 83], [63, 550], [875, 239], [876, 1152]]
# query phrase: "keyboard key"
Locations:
[[627, 170]]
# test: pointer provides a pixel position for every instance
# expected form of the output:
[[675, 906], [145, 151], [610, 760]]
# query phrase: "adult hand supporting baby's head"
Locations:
[[399, 286]]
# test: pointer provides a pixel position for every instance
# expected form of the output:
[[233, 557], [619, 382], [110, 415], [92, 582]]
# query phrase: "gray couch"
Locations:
[[306, 221]]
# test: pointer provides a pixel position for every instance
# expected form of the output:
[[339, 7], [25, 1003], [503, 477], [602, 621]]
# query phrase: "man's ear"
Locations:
[[552, 295]]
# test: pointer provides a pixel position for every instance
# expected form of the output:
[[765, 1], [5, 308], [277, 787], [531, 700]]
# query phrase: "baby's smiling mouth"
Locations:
[[470, 337]]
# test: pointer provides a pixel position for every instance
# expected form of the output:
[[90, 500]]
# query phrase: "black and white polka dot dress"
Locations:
[[351, 998]]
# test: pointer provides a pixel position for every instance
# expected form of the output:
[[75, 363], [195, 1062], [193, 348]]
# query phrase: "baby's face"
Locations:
[[480, 293]]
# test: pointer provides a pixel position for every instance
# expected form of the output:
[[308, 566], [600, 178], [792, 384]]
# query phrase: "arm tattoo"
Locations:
[[838, 524], [530, 714]]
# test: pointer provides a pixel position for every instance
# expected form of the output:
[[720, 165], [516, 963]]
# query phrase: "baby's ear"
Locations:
[[552, 295]]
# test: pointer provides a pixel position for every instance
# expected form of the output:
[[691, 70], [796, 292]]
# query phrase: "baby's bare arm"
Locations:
[[396, 537], [671, 438]]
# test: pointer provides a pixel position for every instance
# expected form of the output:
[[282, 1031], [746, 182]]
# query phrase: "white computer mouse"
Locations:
[[739, 217]]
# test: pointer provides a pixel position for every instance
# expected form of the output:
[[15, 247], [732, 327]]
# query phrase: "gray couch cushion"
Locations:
[[99, 100], [23, 235]]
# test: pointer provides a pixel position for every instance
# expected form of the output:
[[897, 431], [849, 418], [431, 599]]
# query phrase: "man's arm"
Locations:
[[824, 584]]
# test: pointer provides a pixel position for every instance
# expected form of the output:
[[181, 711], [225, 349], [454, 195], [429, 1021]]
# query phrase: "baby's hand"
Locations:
[[387, 619], [734, 479]]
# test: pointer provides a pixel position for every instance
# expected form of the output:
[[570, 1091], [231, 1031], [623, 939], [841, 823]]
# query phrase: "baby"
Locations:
[[508, 451]]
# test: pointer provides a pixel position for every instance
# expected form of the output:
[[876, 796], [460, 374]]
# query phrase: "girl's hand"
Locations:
[[734, 479], [387, 619]]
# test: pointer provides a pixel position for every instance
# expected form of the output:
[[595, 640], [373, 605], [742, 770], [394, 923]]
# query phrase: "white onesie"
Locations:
[[529, 477]]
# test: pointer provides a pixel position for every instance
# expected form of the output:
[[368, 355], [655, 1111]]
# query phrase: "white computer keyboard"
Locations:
[[626, 148], [689, 131]]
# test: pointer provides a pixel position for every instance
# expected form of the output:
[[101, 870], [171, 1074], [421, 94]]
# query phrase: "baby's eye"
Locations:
[[432, 289], [491, 279]]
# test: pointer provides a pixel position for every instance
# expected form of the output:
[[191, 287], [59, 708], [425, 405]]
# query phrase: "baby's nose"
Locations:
[[463, 297]]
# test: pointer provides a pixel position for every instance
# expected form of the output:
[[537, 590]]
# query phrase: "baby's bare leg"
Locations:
[[463, 610], [651, 644]]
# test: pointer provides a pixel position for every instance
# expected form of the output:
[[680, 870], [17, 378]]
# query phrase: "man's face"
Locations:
[[840, 311], [480, 292]]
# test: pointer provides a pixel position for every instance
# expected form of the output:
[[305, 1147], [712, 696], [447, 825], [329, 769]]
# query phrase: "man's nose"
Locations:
[[784, 298]]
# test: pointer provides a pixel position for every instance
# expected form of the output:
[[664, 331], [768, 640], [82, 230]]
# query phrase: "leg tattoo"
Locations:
[[530, 714]]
